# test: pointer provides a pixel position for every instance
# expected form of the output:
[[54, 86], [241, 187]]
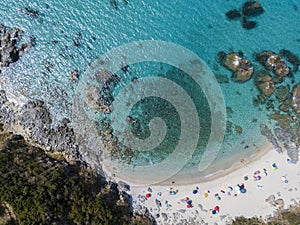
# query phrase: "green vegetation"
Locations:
[[43, 190], [291, 217]]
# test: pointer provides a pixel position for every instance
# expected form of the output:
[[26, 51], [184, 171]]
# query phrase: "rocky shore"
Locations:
[[274, 80], [33, 121]]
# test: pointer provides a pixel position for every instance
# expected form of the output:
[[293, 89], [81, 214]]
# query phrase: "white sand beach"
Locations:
[[280, 185]]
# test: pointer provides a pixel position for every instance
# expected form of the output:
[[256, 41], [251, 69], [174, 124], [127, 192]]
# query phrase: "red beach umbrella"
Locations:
[[148, 195], [217, 208]]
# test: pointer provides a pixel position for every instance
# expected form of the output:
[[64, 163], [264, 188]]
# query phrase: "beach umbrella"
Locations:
[[245, 177], [195, 191], [218, 198], [283, 178], [243, 190], [148, 195], [189, 202], [217, 208], [214, 212], [205, 195], [189, 206], [186, 198], [229, 189]]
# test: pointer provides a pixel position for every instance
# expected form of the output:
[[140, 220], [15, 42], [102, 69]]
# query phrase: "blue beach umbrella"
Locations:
[[229, 189], [243, 190]]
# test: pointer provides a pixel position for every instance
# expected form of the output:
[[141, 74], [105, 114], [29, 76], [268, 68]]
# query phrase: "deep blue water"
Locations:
[[198, 25]]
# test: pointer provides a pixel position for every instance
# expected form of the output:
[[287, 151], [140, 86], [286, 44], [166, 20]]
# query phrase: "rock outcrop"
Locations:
[[252, 8], [241, 68], [10, 51], [269, 135], [264, 83], [33, 121], [272, 61]]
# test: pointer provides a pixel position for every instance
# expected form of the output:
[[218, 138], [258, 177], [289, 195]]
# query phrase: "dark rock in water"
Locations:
[[222, 79], [114, 4], [76, 43], [290, 57], [10, 52], [282, 92], [269, 135], [296, 99], [252, 8], [233, 14], [30, 12], [248, 24]]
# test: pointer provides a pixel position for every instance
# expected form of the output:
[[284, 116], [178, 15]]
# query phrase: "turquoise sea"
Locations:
[[198, 25]]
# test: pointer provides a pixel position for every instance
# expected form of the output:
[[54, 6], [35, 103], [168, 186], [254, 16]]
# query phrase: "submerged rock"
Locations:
[[290, 57], [283, 108], [222, 79], [252, 8], [238, 129], [241, 68], [284, 121], [264, 83], [233, 14], [296, 99], [282, 92]]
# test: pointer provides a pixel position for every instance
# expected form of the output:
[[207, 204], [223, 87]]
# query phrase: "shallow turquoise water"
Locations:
[[200, 26]]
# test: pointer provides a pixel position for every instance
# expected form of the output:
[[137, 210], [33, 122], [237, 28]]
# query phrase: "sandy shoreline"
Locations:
[[174, 209], [239, 162]]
